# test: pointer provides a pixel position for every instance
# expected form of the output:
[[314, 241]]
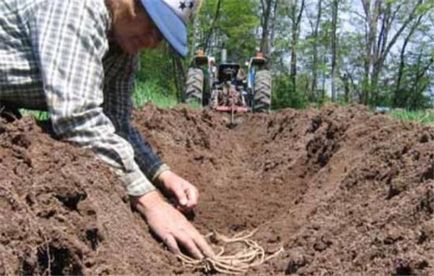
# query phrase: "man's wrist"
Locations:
[[156, 177], [149, 200]]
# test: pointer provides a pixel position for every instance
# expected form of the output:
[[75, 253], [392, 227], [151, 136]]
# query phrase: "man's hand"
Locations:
[[172, 227], [185, 193]]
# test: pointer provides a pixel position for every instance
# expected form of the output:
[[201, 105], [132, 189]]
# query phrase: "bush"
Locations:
[[284, 95]]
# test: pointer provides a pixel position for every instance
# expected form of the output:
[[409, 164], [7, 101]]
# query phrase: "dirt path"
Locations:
[[341, 189]]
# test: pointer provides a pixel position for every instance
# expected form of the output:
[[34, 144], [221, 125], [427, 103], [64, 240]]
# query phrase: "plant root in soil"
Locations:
[[250, 255]]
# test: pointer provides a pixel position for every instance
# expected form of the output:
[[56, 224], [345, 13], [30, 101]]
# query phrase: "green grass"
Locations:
[[422, 116], [194, 105], [39, 115], [150, 92]]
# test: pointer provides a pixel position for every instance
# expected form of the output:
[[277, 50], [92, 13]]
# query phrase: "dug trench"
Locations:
[[341, 189]]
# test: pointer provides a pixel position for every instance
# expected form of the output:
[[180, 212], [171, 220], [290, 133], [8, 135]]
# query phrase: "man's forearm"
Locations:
[[148, 161]]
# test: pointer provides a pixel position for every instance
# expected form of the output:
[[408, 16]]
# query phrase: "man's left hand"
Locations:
[[185, 193]]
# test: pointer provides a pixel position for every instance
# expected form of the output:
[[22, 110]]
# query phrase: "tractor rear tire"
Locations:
[[262, 96], [194, 86]]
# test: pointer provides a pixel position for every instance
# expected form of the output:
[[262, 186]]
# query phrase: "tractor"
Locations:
[[226, 87]]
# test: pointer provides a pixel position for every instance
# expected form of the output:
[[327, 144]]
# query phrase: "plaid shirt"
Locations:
[[55, 56]]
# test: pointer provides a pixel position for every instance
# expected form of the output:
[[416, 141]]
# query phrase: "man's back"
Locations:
[[21, 80], [19, 75]]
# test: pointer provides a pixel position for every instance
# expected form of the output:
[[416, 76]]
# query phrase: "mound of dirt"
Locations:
[[63, 212], [341, 189]]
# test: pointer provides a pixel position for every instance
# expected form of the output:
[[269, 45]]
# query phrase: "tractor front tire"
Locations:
[[262, 96], [194, 86]]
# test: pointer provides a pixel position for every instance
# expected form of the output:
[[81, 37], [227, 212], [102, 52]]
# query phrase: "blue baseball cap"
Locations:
[[171, 18]]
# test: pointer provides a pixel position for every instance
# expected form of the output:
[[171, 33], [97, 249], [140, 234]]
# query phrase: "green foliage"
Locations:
[[238, 29], [425, 7], [156, 71], [283, 95], [235, 29], [411, 93], [411, 99]]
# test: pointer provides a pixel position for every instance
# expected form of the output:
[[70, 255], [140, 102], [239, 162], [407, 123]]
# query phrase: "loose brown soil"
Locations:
[[343, 190]]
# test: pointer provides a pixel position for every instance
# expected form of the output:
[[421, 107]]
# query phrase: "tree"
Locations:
[[398, 100], [231, 25], [268, 11], [312, 46], [369, 51], [294, 10], [335, 7], [380, 15]]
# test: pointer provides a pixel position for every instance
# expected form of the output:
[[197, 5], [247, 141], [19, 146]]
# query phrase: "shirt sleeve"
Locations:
[[120, 69], [69, 42]]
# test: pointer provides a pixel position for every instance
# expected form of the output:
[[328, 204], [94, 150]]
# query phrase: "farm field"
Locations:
[[343, 190]]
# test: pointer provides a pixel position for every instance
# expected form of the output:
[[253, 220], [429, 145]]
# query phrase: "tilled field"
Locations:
[[341, 189]]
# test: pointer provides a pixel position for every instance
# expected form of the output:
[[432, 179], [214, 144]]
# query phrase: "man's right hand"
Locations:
[[172, 227]]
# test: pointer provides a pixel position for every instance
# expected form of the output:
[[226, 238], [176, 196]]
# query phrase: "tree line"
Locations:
[[372, 52]]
